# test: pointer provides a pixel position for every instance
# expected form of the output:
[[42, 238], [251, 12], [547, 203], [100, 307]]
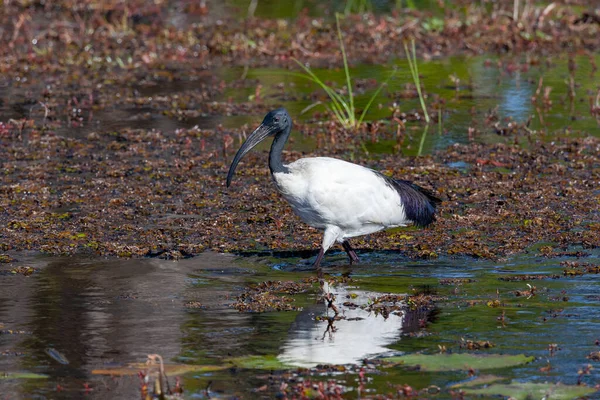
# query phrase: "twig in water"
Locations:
[[156, 357]]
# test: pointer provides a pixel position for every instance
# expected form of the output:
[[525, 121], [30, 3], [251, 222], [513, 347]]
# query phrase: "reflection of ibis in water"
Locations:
[[359, 334], [343, 199]]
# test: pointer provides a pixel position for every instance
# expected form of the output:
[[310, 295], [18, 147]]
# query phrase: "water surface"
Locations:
[[77, 315]]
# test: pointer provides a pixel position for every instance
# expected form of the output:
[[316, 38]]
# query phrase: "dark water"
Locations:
[[77, 315]]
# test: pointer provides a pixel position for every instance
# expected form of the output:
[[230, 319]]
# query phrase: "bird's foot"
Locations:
[[351, 253]]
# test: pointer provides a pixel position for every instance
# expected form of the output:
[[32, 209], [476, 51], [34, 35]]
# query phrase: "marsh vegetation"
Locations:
[[118, 240]]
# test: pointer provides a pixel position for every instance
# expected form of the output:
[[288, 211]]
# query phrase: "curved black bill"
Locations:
[[260, 134]]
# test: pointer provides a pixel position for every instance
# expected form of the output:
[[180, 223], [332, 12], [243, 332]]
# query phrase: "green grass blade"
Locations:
[[338, 104], [336, 99], [341, 119], [410, 64], [423, 140], [414, 71], [338, 112], [310, 106], [340, 107], [416, 65], [362, 115], [348, 7], [351, 113]]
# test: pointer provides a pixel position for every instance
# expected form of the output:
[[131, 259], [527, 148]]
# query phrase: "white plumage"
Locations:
[[346, 201], [343, 199]]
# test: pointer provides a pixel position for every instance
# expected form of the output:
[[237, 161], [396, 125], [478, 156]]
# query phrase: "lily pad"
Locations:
[[522, 391], [170, 369], [22, 375], [462, 361], [478, 381], [258, 362]]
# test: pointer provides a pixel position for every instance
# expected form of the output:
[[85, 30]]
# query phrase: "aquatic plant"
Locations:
[[342, 107], [411, 56], [358, 6], [410, 4], [252, 8], [422, 142]]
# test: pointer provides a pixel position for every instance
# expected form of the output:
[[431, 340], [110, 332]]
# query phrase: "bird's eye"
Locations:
[[276, 119]]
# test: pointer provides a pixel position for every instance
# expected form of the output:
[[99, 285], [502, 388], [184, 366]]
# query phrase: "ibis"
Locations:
[[343, 199]]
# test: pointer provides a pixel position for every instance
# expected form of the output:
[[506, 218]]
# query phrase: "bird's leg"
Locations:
[[317, 267], [317, 263], [329, 237], [350, 251]]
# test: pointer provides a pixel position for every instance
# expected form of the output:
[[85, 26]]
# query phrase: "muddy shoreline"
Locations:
[[129, 192], [149, 193]]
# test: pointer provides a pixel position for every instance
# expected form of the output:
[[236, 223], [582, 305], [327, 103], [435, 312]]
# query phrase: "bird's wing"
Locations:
[[351, 196]]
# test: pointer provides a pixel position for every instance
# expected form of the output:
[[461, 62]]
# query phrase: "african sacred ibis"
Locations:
[[343, 199]]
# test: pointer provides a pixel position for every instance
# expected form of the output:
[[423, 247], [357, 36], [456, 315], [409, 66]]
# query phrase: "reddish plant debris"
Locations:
[[194, 304], [575, 268], [456, 281], [530, 292], [266, 296], [106, 33], [475, 344], [23, 270], [594, 356], [494, 303], [553, 348], [527, 277], [6, 259]]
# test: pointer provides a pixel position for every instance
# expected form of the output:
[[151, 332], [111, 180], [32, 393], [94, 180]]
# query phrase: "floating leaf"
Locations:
[[258, 362], [22, 375], [170, 369], [477, 381], [528, 390], [455, 362]]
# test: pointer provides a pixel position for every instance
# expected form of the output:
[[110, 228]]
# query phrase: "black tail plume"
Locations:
[[419, 203]]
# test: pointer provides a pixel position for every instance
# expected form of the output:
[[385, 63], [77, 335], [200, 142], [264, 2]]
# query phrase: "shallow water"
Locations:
[[483, 88], [292, 8], [76, 315], [477, 93]]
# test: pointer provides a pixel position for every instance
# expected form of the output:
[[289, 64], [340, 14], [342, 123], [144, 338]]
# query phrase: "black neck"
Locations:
[[275, 163]]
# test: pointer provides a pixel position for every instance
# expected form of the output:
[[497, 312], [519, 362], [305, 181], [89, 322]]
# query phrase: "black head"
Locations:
[[278, 120], [275, 122]]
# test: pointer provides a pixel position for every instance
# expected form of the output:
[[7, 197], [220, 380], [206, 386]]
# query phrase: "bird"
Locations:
[[343, 199]]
